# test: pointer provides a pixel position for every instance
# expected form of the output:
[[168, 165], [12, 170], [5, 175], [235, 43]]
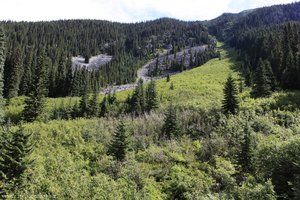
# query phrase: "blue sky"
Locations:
[[124, 10]]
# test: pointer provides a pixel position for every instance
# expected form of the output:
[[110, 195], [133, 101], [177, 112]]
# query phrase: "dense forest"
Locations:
[[131, 45], [221, 123]]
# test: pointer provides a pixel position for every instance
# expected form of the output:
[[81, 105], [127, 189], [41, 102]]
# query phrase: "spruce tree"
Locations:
[[93, 105], [69, 78], [60, 78], [137, 102], [262, 86], [83, 105], [14, 160], [14, 73], [245, 156], [103, 107], [35, 102], [27, 74], [2, 60], [118, 145], [151, 96], [230, 102], [290, 73], [248, 77], [170, 127]]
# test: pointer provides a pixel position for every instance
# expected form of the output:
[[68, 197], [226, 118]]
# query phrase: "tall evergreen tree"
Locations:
[[289, 76], [61, 77], [14, 73], [103, 107], [93, 105], [84, 105], [118, 145], [35, 101], [69, 77], [137, 102], [14, 160], [27, 74], [151, 96], [230, 102], [170, 127], [262, 86], [245, 156], [2, 60]]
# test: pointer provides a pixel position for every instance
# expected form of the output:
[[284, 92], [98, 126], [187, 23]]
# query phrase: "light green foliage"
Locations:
[[253, 190], [72, 160]]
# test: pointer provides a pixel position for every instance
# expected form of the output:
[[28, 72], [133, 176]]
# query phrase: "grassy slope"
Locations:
[[200, 87]]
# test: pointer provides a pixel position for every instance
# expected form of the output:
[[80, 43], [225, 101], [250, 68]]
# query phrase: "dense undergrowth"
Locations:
[[205, 161]]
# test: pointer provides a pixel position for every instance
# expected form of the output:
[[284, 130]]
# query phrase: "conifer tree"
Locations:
[[60, 78], [137, 102], [14, 73], [248, 77], [2, 59], [261, 87], [168, 78], [69, 78], [83, 105], [14, 160], [270, 75], [27, 75], [289, 76], [103, 107], [170, 127], [245, 157], [230, 102], [151, 96], [93, 105], [118, 145], [35, 101]]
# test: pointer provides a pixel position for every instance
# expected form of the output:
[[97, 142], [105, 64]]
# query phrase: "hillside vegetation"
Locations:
[[205, 160]]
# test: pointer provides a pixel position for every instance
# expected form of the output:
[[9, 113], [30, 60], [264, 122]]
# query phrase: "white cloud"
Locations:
[[123, 10]]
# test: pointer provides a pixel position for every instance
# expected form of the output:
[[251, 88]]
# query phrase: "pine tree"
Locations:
[[14, 159], [35, 101], [230, 102], [262, 86], [2, 60], [151, 96], [170, 127], [118, 145]]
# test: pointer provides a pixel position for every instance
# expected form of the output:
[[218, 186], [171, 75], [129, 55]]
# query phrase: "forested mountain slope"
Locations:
[[268, 43], [131, 45]]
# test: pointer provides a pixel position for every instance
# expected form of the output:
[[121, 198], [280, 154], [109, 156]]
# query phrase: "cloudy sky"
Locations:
[[124, 10]]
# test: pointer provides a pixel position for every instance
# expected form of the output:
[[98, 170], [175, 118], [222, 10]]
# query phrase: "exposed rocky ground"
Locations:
[[95, 62], [164, 62]]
